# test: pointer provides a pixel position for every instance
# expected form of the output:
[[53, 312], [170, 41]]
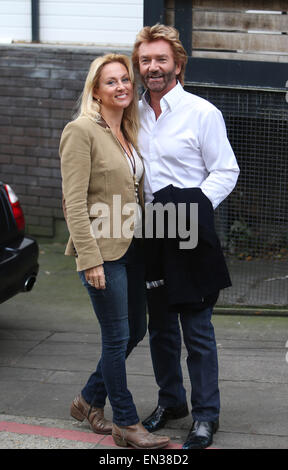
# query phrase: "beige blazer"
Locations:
[[94, 169]]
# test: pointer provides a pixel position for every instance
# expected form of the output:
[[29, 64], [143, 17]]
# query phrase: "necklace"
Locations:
[[129, 154], [130, 157]]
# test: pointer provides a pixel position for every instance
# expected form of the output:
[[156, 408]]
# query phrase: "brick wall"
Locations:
[[39, 86]]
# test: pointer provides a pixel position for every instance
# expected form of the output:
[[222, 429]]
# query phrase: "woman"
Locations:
[[102, 182]]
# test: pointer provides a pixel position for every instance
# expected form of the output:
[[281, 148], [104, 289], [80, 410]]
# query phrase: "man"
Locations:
[[184, 145]]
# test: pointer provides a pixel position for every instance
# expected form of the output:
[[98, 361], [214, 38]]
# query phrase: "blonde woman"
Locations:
[[102, 177]]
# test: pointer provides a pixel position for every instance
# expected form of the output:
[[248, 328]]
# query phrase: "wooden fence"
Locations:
[[242, 29]]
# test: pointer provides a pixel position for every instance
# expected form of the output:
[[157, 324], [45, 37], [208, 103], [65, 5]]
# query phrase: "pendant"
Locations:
[[136, 188], [136, 184]]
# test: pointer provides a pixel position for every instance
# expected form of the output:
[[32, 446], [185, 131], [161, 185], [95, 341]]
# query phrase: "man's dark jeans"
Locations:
[[202, 361]]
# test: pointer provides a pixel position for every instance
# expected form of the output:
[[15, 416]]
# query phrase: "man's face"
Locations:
[[157, 66]]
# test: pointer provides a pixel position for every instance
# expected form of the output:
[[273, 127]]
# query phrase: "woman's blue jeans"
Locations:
[[121, 312]]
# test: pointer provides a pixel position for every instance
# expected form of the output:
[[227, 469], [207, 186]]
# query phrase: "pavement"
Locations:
[[50, 343]]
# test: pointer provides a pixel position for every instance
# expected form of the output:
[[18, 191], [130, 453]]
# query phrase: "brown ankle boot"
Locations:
[[80, 410], [137, 436]]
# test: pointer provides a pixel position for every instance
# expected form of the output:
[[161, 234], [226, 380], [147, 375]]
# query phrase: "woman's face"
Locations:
[[115, 88]]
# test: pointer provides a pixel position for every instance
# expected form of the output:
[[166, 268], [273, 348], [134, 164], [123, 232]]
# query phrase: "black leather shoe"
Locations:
[[201, 434], [161, 415]]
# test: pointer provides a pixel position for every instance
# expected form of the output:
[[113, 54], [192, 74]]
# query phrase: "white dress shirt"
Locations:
[[187, 146]]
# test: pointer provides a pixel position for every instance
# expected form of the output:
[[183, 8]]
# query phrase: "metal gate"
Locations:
[[253, 222]]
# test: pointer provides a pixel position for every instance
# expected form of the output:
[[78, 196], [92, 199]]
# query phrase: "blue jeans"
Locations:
[[121, 312], [202, 360]]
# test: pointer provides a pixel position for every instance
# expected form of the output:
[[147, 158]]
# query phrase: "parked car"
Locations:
[[18, 252]]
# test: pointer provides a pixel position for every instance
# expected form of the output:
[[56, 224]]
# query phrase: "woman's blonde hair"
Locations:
[[89, 107], [169, 34]]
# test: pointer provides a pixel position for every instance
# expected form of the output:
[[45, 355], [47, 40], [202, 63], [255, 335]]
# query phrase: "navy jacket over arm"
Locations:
[[192, 277]]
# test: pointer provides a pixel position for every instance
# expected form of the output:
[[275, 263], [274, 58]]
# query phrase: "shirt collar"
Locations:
[[171, 99]]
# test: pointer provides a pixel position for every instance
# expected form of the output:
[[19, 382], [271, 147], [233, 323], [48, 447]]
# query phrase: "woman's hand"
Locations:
[[96, 277]]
